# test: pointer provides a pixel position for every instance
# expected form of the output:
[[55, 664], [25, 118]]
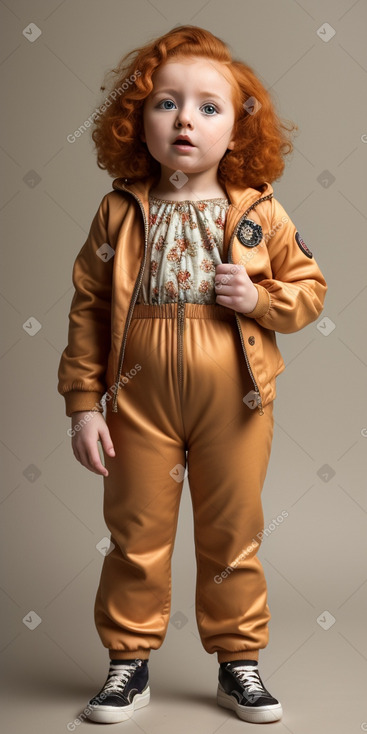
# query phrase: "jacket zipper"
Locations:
[[180, 324], [257, 391], [132, 302]]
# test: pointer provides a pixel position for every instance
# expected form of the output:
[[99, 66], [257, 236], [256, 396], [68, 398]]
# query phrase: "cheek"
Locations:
[[157, 129], [152, 131], [216, 134], [216, 141]]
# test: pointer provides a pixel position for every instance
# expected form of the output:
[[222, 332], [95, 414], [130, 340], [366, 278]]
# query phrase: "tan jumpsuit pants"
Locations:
[[187, 396]]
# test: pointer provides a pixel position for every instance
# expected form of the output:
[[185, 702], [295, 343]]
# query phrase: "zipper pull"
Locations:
[[259, 404]]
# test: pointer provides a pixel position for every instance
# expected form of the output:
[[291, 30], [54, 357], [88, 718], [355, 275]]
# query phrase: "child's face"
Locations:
[[196, 94]]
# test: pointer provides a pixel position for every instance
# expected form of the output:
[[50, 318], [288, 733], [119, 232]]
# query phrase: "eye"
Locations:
[[212, 106], [164, 102]]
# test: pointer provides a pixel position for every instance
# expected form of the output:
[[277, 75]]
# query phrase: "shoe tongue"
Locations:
[[119, 668]]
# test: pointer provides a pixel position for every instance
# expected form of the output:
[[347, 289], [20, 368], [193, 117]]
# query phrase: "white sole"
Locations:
[[114, 714], [258, 715]]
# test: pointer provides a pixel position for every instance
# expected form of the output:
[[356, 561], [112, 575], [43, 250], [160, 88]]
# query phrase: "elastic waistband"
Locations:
[[191, 311]]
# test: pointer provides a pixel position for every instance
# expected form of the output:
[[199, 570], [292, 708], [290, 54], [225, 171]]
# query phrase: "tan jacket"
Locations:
[[290, 286]]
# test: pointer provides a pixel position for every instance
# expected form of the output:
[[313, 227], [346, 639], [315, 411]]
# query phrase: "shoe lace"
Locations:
[[249, 679], [118, 677]]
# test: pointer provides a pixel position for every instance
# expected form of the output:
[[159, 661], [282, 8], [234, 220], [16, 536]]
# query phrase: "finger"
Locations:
[[223, 291], [225, 286], [106, 441], [93, 462], [229, 268], [222, 281], [230, 279], [224, 267], [96, 463], [224, 301]]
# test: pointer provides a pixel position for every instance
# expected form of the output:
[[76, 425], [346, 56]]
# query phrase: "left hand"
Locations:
[[234, 288]]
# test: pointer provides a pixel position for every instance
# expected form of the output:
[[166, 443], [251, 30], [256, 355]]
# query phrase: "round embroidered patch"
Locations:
[[302, 245], [249, 233]]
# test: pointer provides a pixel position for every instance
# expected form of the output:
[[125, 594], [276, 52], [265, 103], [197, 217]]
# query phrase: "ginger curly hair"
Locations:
[[262, 138]]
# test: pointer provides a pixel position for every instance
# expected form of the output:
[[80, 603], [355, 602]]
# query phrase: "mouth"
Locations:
[[183, 142]]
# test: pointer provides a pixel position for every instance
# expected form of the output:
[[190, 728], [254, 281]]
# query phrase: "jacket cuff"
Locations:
[[263, 304], [82, 400]]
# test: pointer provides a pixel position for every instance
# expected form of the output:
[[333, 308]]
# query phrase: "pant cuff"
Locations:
[[129, 654], [226, 657]]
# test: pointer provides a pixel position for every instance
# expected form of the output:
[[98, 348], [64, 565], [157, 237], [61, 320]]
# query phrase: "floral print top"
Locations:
[[185, 243]]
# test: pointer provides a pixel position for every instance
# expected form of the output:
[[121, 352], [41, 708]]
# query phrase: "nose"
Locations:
[[183, 118]]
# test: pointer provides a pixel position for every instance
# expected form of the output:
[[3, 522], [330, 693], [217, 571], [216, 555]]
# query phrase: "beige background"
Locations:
[[52, 506]]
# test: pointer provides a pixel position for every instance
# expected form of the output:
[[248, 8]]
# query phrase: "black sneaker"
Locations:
[[125, 690], [240, 688]]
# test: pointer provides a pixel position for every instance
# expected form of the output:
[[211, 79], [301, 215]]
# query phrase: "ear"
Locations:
[[231, 144]]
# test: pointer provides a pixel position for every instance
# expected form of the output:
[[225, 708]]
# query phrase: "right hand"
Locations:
[[84, 441]]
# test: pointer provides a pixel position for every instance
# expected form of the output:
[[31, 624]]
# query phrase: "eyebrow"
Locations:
[[203, 94]]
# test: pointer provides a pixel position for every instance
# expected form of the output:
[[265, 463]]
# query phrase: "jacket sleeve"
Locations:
[[294, 296], [83, 363]]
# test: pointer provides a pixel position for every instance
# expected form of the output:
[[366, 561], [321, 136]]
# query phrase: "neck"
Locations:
[[198, 186]]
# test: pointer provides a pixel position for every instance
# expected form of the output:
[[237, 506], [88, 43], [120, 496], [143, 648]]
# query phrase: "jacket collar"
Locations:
[[240, 199]]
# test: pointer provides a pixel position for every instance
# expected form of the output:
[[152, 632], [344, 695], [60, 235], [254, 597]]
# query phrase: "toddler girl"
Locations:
[[190, 267]]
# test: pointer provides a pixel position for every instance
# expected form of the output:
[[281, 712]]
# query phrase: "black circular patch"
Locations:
[[302, 245], [249, 233]]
